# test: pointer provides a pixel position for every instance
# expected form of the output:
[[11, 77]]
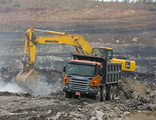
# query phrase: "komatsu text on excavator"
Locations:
[[28, 76]]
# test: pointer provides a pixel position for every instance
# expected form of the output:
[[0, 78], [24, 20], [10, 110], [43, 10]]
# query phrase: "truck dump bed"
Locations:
[[111, 71]]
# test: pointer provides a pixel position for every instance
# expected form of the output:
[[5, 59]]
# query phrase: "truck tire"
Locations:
[[98, 95], [68, 95], [109, 95], [103, 93], [115, 91]]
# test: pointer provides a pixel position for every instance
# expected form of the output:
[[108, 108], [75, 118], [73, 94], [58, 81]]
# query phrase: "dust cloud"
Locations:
[[48, 82], [47, 86], [10, 87], [44, 87]]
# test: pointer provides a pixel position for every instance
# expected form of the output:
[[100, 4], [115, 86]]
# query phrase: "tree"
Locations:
[[16, 4], [151, 7], [3, 1]]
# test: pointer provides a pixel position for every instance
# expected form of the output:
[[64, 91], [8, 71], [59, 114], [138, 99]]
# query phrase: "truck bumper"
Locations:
[[91, 93]]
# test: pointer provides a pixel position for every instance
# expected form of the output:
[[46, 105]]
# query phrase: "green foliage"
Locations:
[[137, 2], [149, 1], [10, 1], [116, 0], [151, 7], [60, 6], [3, 1], [16, 4], [126, 1], [144, 1]]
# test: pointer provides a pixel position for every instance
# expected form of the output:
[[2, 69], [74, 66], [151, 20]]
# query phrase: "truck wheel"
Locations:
[[109, 94], [103, 94], [68, 95], [115, 91], [98, 95]]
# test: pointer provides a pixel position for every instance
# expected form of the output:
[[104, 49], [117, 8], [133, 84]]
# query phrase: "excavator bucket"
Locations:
[[28, 79]]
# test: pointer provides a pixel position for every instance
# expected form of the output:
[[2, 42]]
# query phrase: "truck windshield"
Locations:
[[82, 70]]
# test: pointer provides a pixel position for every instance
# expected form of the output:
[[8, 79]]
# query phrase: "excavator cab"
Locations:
[[104, 51], [127, 65]]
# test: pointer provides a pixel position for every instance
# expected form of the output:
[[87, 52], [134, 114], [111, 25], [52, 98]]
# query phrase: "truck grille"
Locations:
[[79, 84]]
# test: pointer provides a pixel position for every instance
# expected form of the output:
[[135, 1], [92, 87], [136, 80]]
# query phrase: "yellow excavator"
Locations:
[[28, 76]]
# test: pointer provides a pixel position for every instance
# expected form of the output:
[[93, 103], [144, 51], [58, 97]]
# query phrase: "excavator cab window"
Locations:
[[102, 51], [105, 52], [110, 54]]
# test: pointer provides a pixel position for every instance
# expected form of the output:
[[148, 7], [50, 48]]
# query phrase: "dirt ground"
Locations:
[[25, 106], [131, 24]]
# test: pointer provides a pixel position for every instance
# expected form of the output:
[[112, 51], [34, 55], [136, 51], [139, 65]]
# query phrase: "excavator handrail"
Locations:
[[50, 32]]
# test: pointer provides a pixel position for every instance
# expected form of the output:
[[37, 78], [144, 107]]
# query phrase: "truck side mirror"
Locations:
[[100, 72], [64, 69]]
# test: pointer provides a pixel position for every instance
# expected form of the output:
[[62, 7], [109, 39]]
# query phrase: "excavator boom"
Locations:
[[28, 74]]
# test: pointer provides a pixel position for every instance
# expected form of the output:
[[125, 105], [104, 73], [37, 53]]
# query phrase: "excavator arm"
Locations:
[[60, 38], [28, 73]]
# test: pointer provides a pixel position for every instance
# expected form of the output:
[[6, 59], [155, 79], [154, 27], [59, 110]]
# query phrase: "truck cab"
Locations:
[[82, 77], [93, 76]]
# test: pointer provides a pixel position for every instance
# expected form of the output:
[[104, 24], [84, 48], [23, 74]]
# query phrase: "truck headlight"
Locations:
[[93, 89], [66, 86]]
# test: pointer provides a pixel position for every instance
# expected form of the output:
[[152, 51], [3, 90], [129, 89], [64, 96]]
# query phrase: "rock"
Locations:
[[49, 111], [117, 111], [152, 107], [128, 94], [99, 118], [79, 109], [135, 95], [112, 114], [153, 94], [117, 41], [148, 91], [56, 117], [117, 98], [117, 119], [93, 118], [98, 114], [135, 39], [127, 113]]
